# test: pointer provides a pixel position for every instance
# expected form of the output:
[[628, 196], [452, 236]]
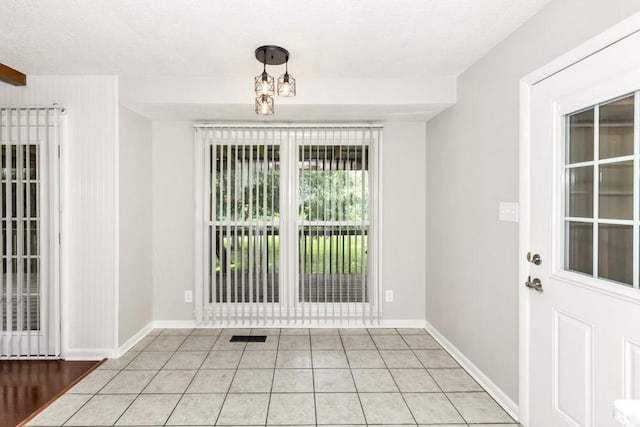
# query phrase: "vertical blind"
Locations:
[[289, 229], [29, 308]]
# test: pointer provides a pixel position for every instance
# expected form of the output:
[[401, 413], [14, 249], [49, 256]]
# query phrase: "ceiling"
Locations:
[[326, 38], [194, 59]]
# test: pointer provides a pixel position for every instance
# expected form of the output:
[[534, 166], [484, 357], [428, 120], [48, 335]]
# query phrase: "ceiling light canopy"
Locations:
[[264, 83]]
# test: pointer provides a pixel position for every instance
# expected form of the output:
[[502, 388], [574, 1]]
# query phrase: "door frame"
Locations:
[[616, 33]]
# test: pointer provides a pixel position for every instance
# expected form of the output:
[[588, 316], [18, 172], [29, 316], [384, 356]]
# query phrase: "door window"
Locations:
[[601, 191]]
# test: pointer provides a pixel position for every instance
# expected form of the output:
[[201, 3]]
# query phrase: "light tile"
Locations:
[[390, 342], [414, 380], [323, 331], [120, 362], [93, 382], [324, 342], [382, 331], [207, 332], [358, 342], [339, 408], [265, 331], [258, 359], [365, 359], [244, 409], [60, 410], [186, 360], [143, 343], [236, 331], [436, 359], [101, 410], [150, 360], [169, 381], [252, 381], [222, 360], [294, 331], [293, 380], [294, 342], [353, 331], [155, 332], [149, 410], [294, 359], [479, 408], [128, 382], [177, 331], [199, 343], [374, 380], [421, 342], [211, 381], [333, 381], [412, 331], [296, 408], [431, 408], [197, 409], [224, 343], [400, 359], [270, 344], [385, 408], [329, 359], [454, 380], [166, 343]]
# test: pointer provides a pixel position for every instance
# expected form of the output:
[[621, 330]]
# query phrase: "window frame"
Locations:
[[289, 305], [601, 94]]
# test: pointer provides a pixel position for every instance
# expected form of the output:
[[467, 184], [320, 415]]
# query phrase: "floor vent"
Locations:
[[248, 338]]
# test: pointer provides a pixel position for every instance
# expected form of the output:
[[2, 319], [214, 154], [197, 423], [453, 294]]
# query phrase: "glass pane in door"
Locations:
[[616, 128], [579, 250], [615, 252]]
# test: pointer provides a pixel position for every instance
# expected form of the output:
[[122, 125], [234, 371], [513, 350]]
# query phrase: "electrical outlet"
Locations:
[[388, 296], [188, 296]]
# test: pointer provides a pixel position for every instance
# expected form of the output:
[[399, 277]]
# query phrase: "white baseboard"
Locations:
[[87, 353], [178, 324], [496, 392], [134, 339]]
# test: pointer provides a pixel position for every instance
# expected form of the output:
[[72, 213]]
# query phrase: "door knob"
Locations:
[[534, 284], [534, 259]]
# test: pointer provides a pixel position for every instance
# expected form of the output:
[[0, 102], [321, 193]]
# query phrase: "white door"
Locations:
[[584, 327]]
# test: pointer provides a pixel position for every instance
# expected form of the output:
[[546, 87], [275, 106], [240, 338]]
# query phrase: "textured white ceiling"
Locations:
[[326, 38]]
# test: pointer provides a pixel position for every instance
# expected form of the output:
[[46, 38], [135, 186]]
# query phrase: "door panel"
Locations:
[[583, 327]]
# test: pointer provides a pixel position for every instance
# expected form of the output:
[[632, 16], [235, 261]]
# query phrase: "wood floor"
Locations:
[[26, 385]]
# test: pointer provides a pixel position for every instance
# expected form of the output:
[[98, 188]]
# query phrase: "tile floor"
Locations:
[[196, 377]]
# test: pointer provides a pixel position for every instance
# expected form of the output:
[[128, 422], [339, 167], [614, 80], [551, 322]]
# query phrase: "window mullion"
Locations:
[[596, 185], [636, 190]]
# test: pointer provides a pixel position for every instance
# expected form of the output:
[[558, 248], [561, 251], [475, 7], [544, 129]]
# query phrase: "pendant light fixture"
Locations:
[[264, 83]]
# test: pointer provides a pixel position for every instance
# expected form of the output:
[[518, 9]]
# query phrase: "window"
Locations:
[[29, 296], [289, 231], [601, 191]]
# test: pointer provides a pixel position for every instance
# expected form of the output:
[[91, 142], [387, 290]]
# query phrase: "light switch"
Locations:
[[508, 211]]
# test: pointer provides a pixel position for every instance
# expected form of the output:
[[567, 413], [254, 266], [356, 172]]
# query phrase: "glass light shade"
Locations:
[[264, 105], [286, 85], [264, 84]]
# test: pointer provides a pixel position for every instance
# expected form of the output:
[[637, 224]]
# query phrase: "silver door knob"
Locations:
[[534, 258], [534, 284]]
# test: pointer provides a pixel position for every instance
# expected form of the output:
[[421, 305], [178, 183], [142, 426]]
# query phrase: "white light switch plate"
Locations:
[[508, 211], [188, 296], [388, 296]]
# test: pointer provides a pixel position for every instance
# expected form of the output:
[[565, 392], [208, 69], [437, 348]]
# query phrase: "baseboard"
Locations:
[[173, 324], [87, 353], [134, 339], [496, 392]]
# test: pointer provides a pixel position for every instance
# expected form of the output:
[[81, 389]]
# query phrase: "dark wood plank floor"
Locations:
[[26, 385]]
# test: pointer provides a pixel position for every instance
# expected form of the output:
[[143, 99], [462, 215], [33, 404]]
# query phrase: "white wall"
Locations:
[[472, 164], [136, 246], [403, 219], [173, 219], [89, 204]]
